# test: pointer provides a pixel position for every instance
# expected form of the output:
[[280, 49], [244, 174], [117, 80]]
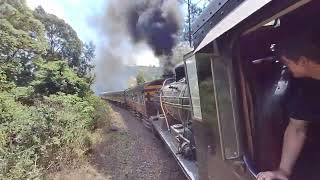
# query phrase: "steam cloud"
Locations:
[[129, 27]]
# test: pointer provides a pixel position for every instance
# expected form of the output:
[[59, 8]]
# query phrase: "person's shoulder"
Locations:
[[303, 89], [303, 99], [313, 84], [305, 82]]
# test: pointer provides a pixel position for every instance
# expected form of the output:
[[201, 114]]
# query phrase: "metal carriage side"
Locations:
[[116, 97]]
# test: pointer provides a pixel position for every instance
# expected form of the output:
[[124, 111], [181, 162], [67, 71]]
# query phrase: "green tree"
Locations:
[[140, 78], [5, 85], [21, 40], [47, 110], [56, 76], [88, 55], [62, 38]]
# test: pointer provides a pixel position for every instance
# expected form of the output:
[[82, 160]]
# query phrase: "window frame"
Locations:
[[185, 58], [233, 100]]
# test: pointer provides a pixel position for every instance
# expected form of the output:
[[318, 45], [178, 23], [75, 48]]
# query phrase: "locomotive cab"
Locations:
[[236, 85]]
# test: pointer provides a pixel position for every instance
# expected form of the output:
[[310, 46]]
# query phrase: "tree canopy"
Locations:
[[47, 110], [64, 43], [62, 39], [21, 40]]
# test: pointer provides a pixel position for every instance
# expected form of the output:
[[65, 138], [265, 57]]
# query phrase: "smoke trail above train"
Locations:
[[131, 27], [157, 22]]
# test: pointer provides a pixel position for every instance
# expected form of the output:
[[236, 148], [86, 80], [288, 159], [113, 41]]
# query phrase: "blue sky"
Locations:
[[75, 12], [78, 14]]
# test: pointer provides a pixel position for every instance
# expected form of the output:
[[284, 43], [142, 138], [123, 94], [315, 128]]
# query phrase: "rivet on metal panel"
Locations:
[[211, 12], [219, 3], [221, 12]]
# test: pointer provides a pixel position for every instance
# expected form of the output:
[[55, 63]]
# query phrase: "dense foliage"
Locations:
[[47, 110]]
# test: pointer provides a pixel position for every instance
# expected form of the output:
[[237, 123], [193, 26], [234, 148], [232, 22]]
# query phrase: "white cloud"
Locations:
[[147, 58]]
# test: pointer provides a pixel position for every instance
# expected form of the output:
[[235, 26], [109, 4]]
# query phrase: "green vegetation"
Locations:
[[140, 78], [47, 110]]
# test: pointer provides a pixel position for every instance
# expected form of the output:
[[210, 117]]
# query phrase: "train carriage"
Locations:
[[152, 99], [117, 97], [144, 98], [128, 98], [136, 99]]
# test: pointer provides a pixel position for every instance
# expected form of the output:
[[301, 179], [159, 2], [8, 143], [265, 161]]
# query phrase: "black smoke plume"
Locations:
[[157, 22], [131, 26]]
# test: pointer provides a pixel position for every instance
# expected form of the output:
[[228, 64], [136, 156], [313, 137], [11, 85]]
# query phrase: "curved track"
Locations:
[[135, 154]]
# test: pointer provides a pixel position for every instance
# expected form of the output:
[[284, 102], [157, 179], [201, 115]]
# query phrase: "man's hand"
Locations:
[[272, 175], [294, 139]]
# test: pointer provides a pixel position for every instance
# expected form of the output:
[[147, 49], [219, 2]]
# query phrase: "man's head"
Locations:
[[300, 53]]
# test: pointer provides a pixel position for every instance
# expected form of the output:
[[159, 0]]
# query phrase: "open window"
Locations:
[[262, 71]]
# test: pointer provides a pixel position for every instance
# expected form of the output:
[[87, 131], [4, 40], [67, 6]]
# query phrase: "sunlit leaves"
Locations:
[[56, 76], [47, 110], [44, 134]]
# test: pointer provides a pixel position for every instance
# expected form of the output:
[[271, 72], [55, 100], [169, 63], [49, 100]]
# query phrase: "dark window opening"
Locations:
[[179, 72], [262, 71]]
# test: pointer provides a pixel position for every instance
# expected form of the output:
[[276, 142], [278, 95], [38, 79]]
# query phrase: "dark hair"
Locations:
[[300, 44]]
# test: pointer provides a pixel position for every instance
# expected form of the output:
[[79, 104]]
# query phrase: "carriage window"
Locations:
[[225, 110], [194, 87]]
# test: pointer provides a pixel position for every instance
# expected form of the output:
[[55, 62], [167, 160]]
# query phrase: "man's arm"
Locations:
[[294, 139]]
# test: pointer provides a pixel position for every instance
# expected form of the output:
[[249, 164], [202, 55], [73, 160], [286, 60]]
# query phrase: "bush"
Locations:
[[55, 76], [54, 131], [100, 113], [47, 110]]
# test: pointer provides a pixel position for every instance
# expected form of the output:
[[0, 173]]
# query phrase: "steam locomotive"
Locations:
[[163, 105], [222, 116]]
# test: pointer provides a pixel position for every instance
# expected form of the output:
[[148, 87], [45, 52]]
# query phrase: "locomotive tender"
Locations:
[[222, 116]]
